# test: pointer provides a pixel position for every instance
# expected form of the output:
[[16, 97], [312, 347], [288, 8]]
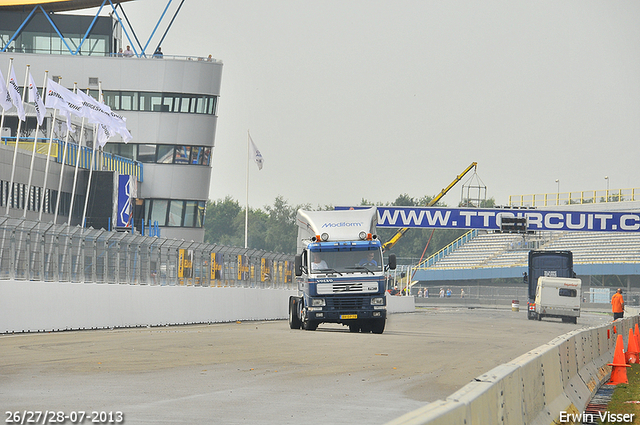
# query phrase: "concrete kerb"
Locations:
[[439, 412], [561, 376]]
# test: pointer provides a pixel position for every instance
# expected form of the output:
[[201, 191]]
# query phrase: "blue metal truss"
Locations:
[[114, 7]]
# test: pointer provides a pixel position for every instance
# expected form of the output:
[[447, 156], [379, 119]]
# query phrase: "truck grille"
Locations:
[[347, 287], [339, 287], [346, 303]]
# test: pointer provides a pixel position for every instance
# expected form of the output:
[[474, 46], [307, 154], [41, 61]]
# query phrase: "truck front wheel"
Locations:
[[310, 325], [377, 326], [294, 320]]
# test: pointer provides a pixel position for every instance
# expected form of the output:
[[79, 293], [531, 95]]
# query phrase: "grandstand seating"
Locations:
[[490, 249], [588, 247]]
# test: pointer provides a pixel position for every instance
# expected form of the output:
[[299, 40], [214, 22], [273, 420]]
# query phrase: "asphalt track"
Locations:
[[263, 372]]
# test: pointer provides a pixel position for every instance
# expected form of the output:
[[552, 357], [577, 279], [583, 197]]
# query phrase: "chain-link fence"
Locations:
[[31, 250]]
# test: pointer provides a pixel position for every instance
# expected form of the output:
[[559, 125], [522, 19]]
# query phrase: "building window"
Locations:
[[112, 99], [162, 154], [167, 103], [126, 150], [184, 104], [182, 154], [146, 153], [159, 102], [190, 212], [196, 155], [159, 211], [201, 105], [175, 213], [202, 206], [165, 154], [128, 101], [150, 102]]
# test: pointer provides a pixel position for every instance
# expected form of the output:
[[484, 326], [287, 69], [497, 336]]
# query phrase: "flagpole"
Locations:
[[96, 127], [46, 167], [91, 165], [64, 159], [246, 211], [10, 199], [75, 173], [33, 153], [6, 83]]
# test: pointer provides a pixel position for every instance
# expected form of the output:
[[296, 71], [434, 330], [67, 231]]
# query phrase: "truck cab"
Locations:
[[339, 271]]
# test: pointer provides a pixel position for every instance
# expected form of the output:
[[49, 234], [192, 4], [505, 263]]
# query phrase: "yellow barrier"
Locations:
[[41, 147]]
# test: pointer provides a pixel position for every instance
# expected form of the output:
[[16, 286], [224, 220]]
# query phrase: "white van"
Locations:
[[558, 297]]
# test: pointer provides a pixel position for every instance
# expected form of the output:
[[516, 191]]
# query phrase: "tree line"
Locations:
[[273, 227]]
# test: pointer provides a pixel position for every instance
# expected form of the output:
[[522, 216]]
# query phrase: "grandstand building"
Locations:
[[170, 104], [482, 258]]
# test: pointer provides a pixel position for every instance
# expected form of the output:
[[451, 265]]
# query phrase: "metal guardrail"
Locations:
[[150, 55], [31, 250], [570, 198], [449, 248]]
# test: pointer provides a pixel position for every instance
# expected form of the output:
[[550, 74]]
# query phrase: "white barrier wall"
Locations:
[[27, 306], [397, 304], [44, 306], [561, 376]]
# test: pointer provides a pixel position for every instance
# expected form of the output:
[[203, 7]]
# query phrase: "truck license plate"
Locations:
[[348, 316]]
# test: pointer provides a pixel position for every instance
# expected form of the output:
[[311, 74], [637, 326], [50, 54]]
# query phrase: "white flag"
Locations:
[[96, 113], [34, 97], [104, 134], [121, 126], [14, 92], [255, 154], [62, 99], [5, 98], [67, 116]]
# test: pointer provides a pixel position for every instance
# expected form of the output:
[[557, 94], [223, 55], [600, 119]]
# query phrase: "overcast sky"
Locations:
[[352, 99]]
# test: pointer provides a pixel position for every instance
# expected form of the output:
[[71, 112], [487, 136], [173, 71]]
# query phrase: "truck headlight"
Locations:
[[377, 301], [317, 302]]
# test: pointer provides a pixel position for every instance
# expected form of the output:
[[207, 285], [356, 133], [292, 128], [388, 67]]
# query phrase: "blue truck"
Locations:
[[339, 271], [545, 264]]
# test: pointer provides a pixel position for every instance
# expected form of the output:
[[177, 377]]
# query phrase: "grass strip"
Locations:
[[625, 399]]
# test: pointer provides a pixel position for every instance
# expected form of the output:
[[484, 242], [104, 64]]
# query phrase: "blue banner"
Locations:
[[490, 219], [123, 216]]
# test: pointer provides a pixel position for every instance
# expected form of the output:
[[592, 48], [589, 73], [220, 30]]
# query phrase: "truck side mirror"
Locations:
[[392, 261], [298, 265]]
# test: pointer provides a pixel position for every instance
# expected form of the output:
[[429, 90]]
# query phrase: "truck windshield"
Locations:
[[361, 261]]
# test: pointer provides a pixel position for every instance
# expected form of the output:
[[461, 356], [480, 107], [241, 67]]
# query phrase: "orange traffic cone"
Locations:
[[632, 349], [618, 371], [636, 333]]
